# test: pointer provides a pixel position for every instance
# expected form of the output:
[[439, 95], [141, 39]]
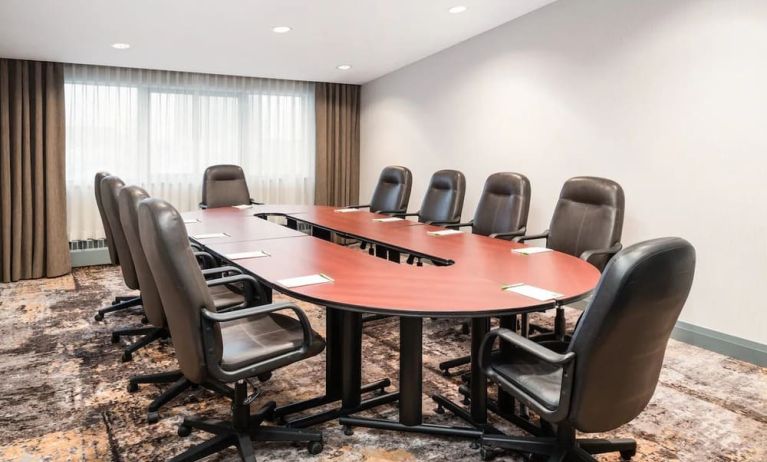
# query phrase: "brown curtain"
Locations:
[[33, 209], [337, 179]]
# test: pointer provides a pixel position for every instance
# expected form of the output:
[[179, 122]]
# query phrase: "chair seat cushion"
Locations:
[[259, 338], [223, 297], [537, 378]]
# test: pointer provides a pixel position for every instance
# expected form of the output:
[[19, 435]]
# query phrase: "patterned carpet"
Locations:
[[63, 391]]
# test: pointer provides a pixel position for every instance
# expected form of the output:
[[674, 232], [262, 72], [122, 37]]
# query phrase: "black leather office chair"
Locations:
[[392, 192], [224, 186], [120, 302], [222, 348], [128, 200], [607, 374], [443, 202], [503, 207], [587, 223]]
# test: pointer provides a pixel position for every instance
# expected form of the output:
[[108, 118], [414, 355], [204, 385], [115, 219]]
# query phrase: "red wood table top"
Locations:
[[470, 286]]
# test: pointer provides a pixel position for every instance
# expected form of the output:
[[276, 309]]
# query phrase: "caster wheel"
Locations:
[[474, 445], [484, 454], [466, 402], [380, 392], [99, 317], [144, 320], [115, 338], [440, 410], [127, 356], [465, 329], [627, 455], [184, 430], [264, 377], [153, 417], [315, 447], [348, 430], [132, 387], [446, 372]]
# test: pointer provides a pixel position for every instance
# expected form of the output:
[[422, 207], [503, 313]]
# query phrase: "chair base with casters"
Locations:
[[561, 447], [149, 335], [179, 385], [243, 430], [119, 304]]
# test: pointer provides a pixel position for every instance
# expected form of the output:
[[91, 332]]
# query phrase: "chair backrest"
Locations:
[[224, 186], [588, 215], [107, 230], [443, 201], [128, 201], [110, 191], [503, 205], [621, 339], [392, 192], [182, 287]]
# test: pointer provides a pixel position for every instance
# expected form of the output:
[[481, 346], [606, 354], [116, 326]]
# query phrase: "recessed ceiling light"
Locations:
[[281, 29], [343, 67], [457, 9], [121, 46]]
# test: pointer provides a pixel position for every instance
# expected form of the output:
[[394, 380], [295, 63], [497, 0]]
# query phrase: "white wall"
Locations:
[[667, 97]]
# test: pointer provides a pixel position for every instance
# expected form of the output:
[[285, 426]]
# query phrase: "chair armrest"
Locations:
[[390, 212], [532, 237], [460, 225], [564, 361], [202, 206], [440, 223], [207, 259], [252, 286], [588, 254], [510, 234], [535, 349], [219, 270], [357, 206], [209, 319], [252, 201], [405, 214]]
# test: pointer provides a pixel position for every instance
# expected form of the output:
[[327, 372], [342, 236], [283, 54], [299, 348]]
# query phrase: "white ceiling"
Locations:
[[235, 36]]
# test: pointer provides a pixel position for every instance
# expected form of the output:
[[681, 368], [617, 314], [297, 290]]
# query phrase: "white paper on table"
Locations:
[[243, 255], [305, 280], [387, 220], [242, 207], [444, 232], [346, 210], [189, 221], [532, 292], [531, 250], [210, 235]]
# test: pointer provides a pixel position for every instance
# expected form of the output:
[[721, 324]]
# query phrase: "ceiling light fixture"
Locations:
[[281, 29], [121, 46], [343, 67], [457, 9]]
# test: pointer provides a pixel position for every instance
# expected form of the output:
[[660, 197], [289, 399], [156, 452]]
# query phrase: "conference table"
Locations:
[[472, 277]]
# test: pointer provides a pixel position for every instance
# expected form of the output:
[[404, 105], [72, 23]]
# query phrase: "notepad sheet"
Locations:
[[533, 292], [242, 207], [347, 210], [243, 255], [304, 280], [189, 221], [209, 235], [531, 250], [444, 232], [387, 220]]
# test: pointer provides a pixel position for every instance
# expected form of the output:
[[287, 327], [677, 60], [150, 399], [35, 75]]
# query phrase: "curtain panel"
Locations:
[[338, 144], [161, 129], [33, 217]]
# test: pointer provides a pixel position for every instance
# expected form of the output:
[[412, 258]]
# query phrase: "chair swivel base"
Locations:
[[560, 448], [242, 431], [148, 335], [120, 303], [179, 385]]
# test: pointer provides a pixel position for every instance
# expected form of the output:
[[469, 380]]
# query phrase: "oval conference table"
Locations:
[[469, 278]]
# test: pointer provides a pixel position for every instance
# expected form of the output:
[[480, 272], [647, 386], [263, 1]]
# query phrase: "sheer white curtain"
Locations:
[[161, 129]]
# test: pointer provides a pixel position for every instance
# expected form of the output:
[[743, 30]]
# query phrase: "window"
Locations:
[[160, 130]]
